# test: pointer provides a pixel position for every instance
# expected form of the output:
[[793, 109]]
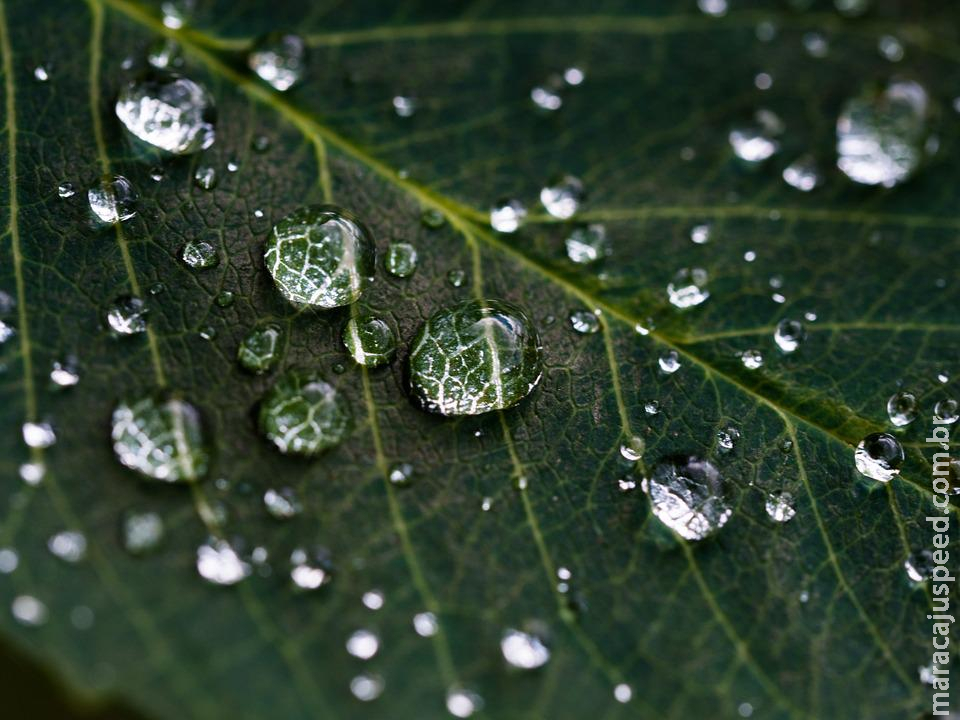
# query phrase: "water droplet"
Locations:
[[716, 8], [432, 218], [282, 504], [902, 407], [40, 74], [562, 197], [851, 8], [279, 59], [879, 457], [524, 650], [168, 112], [545, 98], [653, 407], [947, 411], [632, 448], [688, 288], [199, 255], [177, 12], [816, 44], [165, 54], [588, 244], [727, 439], [584, 322], [38, 434], [367, 687], [372, 599], [261, 143], [233, 166], [157, 288], [700, 234], [260, 349], [310, 572], [219, 563], [66, 190], [456, 277], [745, 710], [669, 363], [225, 298], [113, 200], [162, 439], [687, 495], [205, 177], [751, 359], [757, 142], [303, 415], [486, 504], [763, 81], [369, 340], [919, 565], [623, 693], [401, 473], [9, 560], [321, 255], [401, 259], [802, 174], [789, 334], [68, 545], [474, 357], [363, 644], [29, 611], [425, 624], [463, 702], [890, 48], [32, 473], [64, 373], [779, 506], [127, 315], [404, 106], [880, 136], [142, 532], [207, 332], [507, 215]]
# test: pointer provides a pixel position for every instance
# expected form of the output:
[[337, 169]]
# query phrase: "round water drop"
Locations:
[[902, 408], [816, 44], [199, 255], [205, 177], [751, 359], [588, 244], [303, 415], [165, 54], [401, 259], [29, 611], [401, 474], [584, 322], [425, 624], [947, 411], [127, 315], [321, 256], [456, 277], [162, 439], [779, 507], [68, 545], [687, 495], [802, 174], [260, 349], [475, 357], [310, 572], [757, 142], [278, 58], [632, 449], [64, 374], [524, 650], [219, 563], [432, 218], [789, 334], [700, 234], [177, 12], [851, 8], [463, 702], [879, 457], [652, 407], [168, 112], [363, 644], [919, 565], [9, 560], [623, 693], [142, 532], [40, 74], [880, 135], [563, 196], [688, 288], [669, 364], [66, 190], [369, 340], [113, 200], [367, 687], [372, 599], [225, 298], [404, 106], [282, 504], [507, 215]]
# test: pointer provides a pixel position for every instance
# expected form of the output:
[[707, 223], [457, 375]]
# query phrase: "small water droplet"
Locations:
[[168, 112], [802, 174], [64, 373], [66, 190], [404, 106], [207, 332], [879, 457], [310, 572], [157, 288], [113, 200], [779, 506], [727, 439], [562, 197], [278, 59], [369, 340], [162, 439], [219, 563], [372, 599], [401, 474], [851, 8], [282, 504], [432, 218], [225, 298], [40, 74], [890, 48], [38, 434], [584, 322], [177, 12], [260, 143], [486, 504], [142, 532], [463, 702], [199, 255], [29, 611], [716, 8], [9, 560], [260, 349], [623, 693], [700, 234], [632, 448], [401, 259], [32, 473], [425, 624], [652, 407], [127, 315], [524, 650], [81, 617], [302, 414], [507, 215], [205, 177], [902, 408], [947, 411], [745, 710], [687, 495], [670, 362], [363, 644], [588, 244], [688, 288], [456, 277], [367, 687], [546, 98], [574, 76], [751, 359], [165, 54], [763, 81], [68, 545], [789, 334], [919, 566], [757, 142]]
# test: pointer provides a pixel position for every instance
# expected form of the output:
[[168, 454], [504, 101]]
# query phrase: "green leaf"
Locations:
[[812, 618]]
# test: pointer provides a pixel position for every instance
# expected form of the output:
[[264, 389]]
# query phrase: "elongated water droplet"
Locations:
[[902, 407], [507, 215], [789, 334], [260, 349], [401, 259], [363, 644], [475, 357], [199, 255], [584, 322], [219, 563], [687, 495], [142, 532], [562, 196], [321, 256], [369, 340], [162, 439], [302, 414], [688, 288], [168, 112], [279, 59], [524, 650], [879, 457], [282, 504], [113, 200], [588, 244], [779, 507], [68, 545]]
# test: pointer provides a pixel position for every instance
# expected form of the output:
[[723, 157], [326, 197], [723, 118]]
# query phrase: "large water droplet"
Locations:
[[279, 59], [142, 532], [524, 650], [669, 364], [303, 415], [401, 259], [687, 495], [879, 457], [369, 340], [260, 348], [880, 136], [475, 357], [789, 334], [219, 563], [563, 196], [321, 255], [168, 112], [113, 200], [162, 439], [902, 407], [507, 215], [688, 288], [588, 244]]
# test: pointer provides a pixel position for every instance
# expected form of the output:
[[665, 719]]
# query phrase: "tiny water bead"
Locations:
[[757, 141], [687, 495], [363, 644], [669, 364], [879, 457], [401, 259], [881, 135], [688, 288], [142, 532], [127, 315], [947, 411], [278, 59], [113, 200], [463, 702], [432, 218], [205, 177], [524, 650], [789, 335], [68, 545], [165, 54], [802, 174], [321, 256], [474, 357], [219, 563], [401, 474], [369, 340], [562, 196], [779, 507], [282, 504], [902, 408], [66, 190], [507, 215], [584, 322], [260, 349], [919, 565], [310, 570], [302, 414], [199, 255], [588, 244], [168, 112], [751, 359], [456, 277], [161, 438]]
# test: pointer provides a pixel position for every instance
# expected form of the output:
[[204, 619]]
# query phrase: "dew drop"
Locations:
[[463, 702], [524, 650], [669, 363], [688, 288], [652, 407], [40, 74], [29, 611], [142, 532], [282, 504], [902, 408], [401, 259], [623, 693], [165, 54], [9, 560], [113, 200], [507, 215], [425, 624], [919, 566], [789, 335], [68, 545], [687, 495], [363, 644], [66, 190], [779, 507], [260, 349], [890, 48], [372, 599], [802, 174], [584, 322], [303, 415], [851, 8], [757, 142], [367, 687], [177, 12], [546, 98], [199, 255], [310, 572], [588, 244], [816, 45], [700, 234], [225, 298], [751, 359], [947, 411], [562, 196], [205, 177], [168, 112], [32, 473], [278, 59], [456, 277], [127, 316], [632, 449], [432, 218], [727, 439], [219, 563], [404, 106], [320, 256], [369, 340], [879, 457], [38, 434], [64, 373], [716, 8], [400, 474]]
